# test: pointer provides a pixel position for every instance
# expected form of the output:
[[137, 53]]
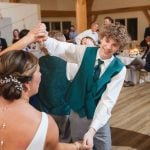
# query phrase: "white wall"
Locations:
[[22, 16], [53, 4]]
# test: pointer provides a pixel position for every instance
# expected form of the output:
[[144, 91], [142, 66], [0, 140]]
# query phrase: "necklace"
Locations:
[[3, 123], [2, 127]]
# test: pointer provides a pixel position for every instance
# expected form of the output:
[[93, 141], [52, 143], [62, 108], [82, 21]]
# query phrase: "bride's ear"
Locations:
[[26, 87]]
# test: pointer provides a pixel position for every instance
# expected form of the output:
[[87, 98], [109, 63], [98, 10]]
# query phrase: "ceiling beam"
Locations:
[[13, 1], [120, 10], [55, 13], [147, 15], [89, 12]]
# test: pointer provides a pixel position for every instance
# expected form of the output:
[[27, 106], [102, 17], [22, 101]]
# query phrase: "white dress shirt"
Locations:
[[90, 33], [74, 53]]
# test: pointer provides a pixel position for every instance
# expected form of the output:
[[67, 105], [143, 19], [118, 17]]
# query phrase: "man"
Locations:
[[91, 96], [52, 89], [147, 31], [3, 43], [87, 96], [72, 34], [93, 33], [108, 20]]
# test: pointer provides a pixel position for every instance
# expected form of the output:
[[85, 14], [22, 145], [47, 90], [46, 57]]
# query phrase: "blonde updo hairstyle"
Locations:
[[16, 68]]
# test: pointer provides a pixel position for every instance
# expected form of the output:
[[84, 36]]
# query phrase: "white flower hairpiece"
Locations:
[[10, 78]]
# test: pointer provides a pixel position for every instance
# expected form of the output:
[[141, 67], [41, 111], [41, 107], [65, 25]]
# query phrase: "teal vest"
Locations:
[[53, 86], [83, 93]]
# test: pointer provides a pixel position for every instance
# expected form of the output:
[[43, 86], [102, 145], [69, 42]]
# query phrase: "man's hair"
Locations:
[[109, 18], [118, 33], [23, 33]]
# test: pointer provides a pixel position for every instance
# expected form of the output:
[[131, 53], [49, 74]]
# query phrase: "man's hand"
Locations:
[[88, 138]]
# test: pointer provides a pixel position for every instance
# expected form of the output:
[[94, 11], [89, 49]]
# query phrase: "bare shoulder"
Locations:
[[52, 138]]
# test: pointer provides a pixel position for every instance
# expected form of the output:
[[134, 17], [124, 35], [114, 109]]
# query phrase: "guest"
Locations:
[[15, 35], [108, 20], [19, 79], [145, 44], [147, 31], [72, 34], [143, 62], [90, 32], [34, 47], [66, 34], [87, 93], [3, 43], [88, 41], [52, 90]]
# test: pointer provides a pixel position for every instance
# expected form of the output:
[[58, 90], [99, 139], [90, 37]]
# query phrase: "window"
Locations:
[[66, 25], [120, 21], [131, 24], [47, 26], [55, 26], [59, 26], [132, 27]]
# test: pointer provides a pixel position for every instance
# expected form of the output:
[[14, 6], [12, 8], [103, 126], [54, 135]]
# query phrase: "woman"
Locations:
[[15, 35], [33, 130]]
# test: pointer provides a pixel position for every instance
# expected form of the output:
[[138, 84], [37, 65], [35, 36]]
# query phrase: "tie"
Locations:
[[97, 70]]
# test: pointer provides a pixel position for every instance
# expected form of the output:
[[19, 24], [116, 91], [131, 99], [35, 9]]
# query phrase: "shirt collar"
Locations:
[[106, 61]]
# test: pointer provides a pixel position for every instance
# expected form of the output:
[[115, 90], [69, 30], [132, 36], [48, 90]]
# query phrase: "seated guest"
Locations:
[[145, 44], [88, 41], [33, 130], [140, 63], [144, 61]]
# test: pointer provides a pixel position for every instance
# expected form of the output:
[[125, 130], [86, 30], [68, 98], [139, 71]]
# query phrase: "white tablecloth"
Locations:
[[131, 75]]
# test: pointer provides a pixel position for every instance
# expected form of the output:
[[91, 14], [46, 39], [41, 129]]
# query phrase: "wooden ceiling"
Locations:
[[92, 15]]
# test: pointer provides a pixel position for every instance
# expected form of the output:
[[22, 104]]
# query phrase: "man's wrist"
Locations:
[[92, 131]]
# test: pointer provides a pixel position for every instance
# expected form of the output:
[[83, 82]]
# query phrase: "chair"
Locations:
[[143, 76]]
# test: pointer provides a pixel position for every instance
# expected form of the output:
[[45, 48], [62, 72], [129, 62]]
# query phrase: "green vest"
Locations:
[[83, 93], [53, 86]]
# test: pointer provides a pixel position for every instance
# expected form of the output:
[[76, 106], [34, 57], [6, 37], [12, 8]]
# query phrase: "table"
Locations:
[[131, 75]]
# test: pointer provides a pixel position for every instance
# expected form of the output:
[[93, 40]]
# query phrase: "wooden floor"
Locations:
[[130, 121]]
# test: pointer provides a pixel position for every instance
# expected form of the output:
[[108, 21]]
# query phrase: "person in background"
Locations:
[[15, 35], [72, 34], [52, 90], [147, 31], [23, 33], [19, 79], [3, 43], [108, 20], [34, 47], [144, 61], [66, 34], [145, 44], [92, 32], [88, 41]]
